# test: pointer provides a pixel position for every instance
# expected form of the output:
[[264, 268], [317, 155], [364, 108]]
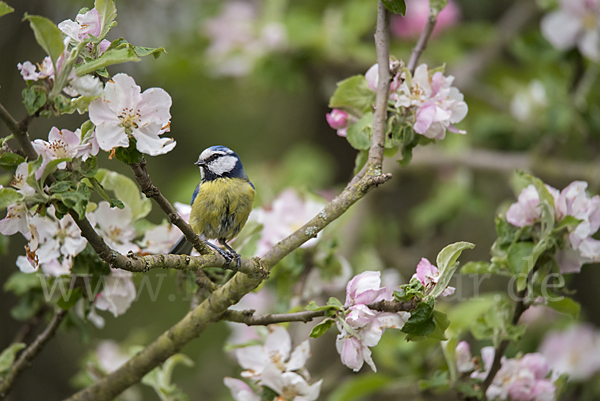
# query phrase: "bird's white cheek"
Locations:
[[223, 165]]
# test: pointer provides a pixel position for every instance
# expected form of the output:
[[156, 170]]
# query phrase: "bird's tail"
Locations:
[[182, 247]]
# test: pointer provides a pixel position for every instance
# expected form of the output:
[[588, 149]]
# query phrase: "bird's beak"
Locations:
[[200, 163]]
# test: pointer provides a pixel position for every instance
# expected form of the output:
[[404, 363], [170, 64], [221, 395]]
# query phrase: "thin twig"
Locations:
[[422, 42], [520, 307], [247, 316], [24, 360], [382, 46], [21, 136]]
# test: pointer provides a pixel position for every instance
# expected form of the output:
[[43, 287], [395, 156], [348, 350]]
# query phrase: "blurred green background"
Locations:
[[273, 116]]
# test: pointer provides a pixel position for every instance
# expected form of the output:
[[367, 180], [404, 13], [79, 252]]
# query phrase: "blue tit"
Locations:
[[221, 203]]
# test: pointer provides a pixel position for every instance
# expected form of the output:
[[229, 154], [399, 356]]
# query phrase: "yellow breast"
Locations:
[[221, 207]]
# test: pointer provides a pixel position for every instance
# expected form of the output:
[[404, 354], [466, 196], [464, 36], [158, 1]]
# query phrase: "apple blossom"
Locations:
[[288, 213], [571, 201], [429, 275], [436, 105], [124, 111], [290, 385], [464, 360], [521, 379], [238, 40], [116, 227], [276, 350], [417, 13], [529, 102], [62, 144], [117, 293], [160, 239], [87, 24], [575, 351], [338, 120], [110, 357], [240, 391], [362, 327], [30, 73], [372, 77], [575, 23]]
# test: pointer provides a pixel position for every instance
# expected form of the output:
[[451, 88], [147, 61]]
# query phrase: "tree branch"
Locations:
[[21, 135], [382, 47], [247, 316], [24, 360], [422, 42], [143, 179]]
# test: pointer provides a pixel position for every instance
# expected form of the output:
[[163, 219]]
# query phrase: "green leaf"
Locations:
[[51, 166], [481, 268], [333, 301], [447, 264], [127, 191], [519, 256], [354, 94], [420, 323], [5, 9], [108, 13], [72, 195], [8, 356], [130, 154], [69, 298], [141, 51], [360, 387], [361, 159], [438, 382], [9, 196], [564, 305], [48, 36], [409, 291], [10, 160], [437, 5], [89, 168], [359, 133], [410, 139], [34, 98], [546, 201], [22, 283], [395, 6], [568, 222], [109, 57], [321, 328], [496, 324]]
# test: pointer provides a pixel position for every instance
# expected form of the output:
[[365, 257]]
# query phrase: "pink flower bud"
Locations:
[[337, 119]]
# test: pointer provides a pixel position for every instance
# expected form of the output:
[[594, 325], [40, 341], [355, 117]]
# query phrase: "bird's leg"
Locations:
[[236, 256], [226, 255]]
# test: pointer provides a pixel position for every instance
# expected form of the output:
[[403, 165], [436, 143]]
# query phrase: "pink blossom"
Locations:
[[240, 391], [338, 120], [116, 227], [464, 360], [288, 213], [117, 293], [436, 105], [364, 288], [575, 23], [575, 351], [372, 77], [123, 111], [417, 12], [30, 73], [87, 24], [429, 275], [63, 144], [522, 379]]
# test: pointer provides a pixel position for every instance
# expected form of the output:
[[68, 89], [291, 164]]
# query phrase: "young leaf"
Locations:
[[109, 57], [359, 134], [5, 9], [565, 305], [10, 161], [321, 328], [34, 98], [420, 323], [437, 5], [126, 191], [9, 196], [447, 264], [8, 356], [51, 166], [108, 13], [519, 255], [48, 36], [354, 94], [395, 6]]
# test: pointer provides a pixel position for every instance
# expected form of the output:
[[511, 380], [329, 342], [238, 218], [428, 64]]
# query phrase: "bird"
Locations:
[[221, 203]]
